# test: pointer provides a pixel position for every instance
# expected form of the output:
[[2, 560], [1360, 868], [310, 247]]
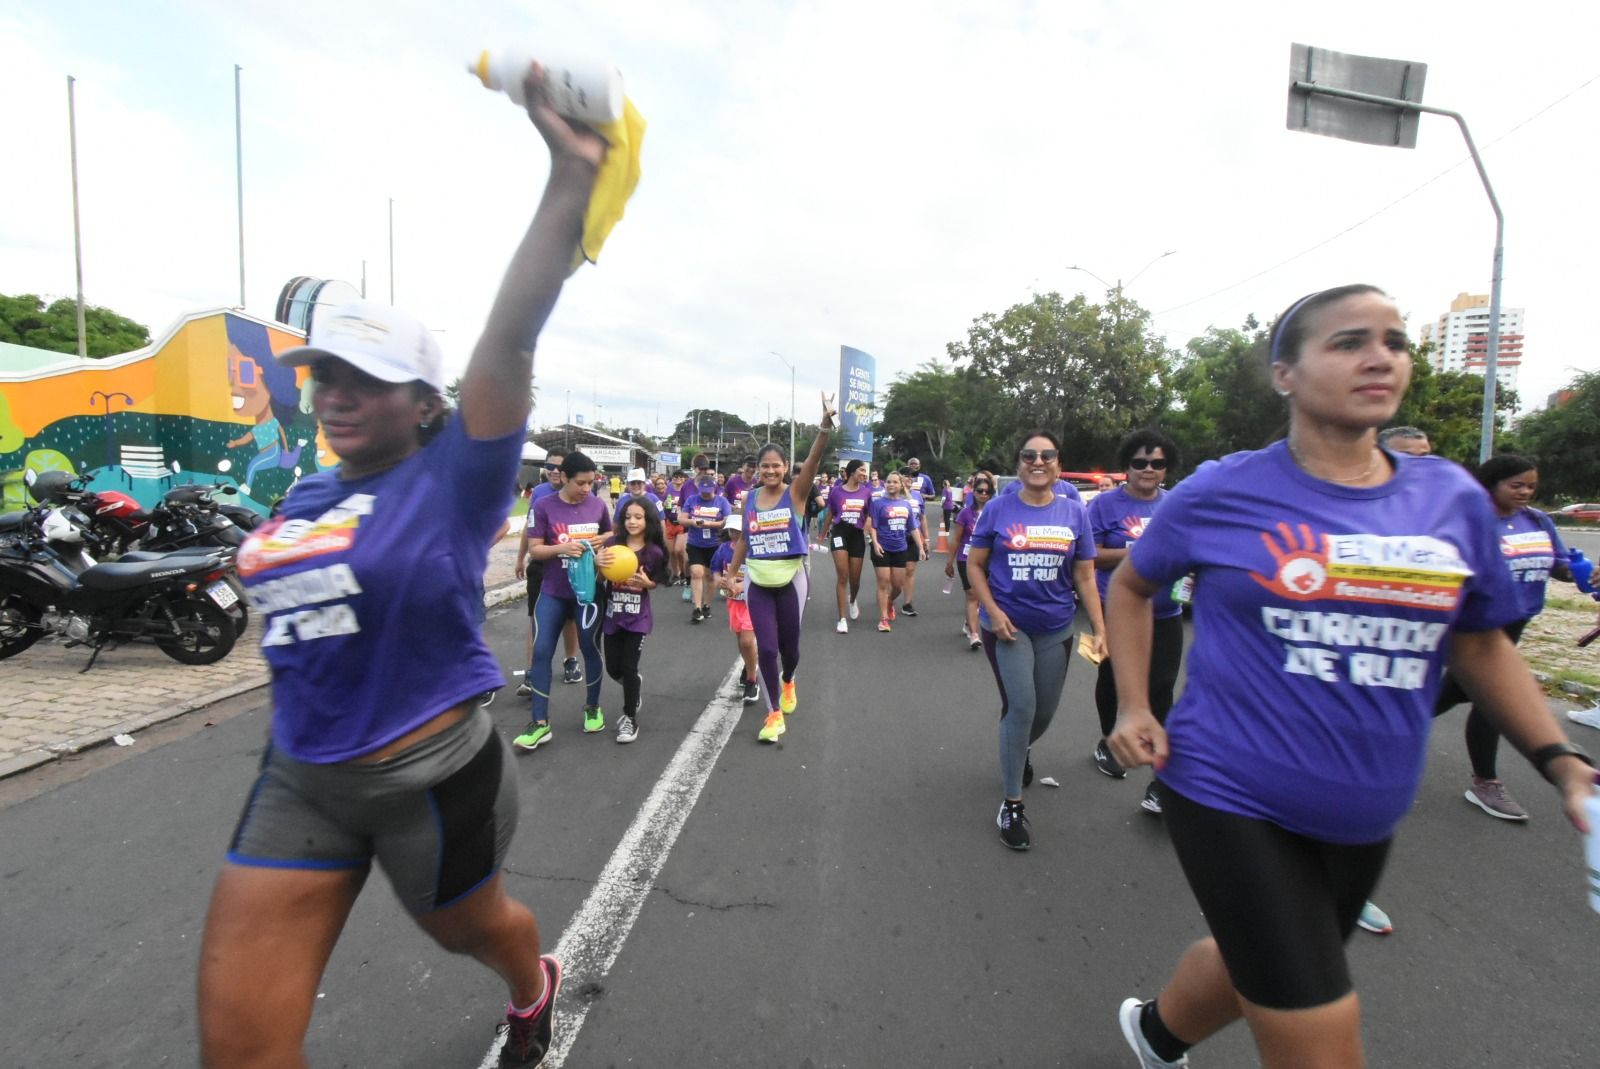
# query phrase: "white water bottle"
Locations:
[[949, 584], [1591, 812], [587, 90]]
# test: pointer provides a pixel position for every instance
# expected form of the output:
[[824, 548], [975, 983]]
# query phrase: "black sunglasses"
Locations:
[[552, 467], [1028, 456], [982, 490], [1141, 463]]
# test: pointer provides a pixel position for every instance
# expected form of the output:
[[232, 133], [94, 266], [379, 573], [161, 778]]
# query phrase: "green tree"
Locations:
[[711, 422], [1565, 440], [1224, 401], [25, 320], [1089, 372], [1448, 406], [927, 414]]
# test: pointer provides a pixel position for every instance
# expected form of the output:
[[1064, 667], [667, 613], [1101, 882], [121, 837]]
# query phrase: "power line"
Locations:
[[1398, 200]]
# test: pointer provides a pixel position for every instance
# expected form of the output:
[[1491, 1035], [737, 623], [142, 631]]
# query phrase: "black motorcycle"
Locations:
[[113, 527], [178, 601]]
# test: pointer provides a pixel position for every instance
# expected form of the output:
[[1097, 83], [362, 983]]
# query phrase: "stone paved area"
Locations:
[[50, 708]]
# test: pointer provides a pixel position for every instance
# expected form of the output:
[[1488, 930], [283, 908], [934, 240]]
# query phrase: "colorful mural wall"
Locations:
[[205, 403]]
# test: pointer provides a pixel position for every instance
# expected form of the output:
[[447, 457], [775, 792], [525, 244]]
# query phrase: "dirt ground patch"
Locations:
[[1550, 643]]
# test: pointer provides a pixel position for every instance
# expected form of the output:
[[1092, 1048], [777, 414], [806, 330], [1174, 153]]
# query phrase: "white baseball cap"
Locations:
[[384, 342], [637, 476], [734, 521]]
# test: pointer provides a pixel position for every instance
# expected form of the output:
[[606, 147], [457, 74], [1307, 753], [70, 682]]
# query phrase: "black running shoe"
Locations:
[[1013, 824], [528, 1038], [571, 672], [752, 692], [486, 699], [695, 616], [1107, 763], [1151, 802], [909, 609]]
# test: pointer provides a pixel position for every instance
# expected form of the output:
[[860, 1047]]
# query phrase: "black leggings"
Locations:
[[1166, 656], [1483, 738], [622, 664], [1279, 905]]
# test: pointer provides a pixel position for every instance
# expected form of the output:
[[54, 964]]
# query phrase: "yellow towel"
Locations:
[[618, 176]]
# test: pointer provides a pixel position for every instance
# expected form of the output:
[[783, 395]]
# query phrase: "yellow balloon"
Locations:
[[624, 563]]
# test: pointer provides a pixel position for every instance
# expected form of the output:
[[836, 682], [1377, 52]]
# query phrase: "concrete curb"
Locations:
[[30, 759]]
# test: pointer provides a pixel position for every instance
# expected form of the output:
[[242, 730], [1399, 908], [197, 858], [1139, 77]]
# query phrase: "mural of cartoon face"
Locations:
[[251, 397]]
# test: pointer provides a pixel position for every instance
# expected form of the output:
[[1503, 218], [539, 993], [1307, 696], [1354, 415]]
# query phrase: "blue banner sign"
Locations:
[[857, 404]]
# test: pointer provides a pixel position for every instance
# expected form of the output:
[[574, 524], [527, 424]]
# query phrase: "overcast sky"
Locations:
[[816, 173]]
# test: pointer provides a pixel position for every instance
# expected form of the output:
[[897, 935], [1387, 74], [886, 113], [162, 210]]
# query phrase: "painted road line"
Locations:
[[591, 943]]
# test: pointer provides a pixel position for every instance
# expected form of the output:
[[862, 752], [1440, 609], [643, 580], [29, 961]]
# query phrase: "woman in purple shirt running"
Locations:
[[366, 584], [1332, 583]]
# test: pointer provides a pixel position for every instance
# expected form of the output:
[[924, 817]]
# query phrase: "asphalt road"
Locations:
[[840, 899]]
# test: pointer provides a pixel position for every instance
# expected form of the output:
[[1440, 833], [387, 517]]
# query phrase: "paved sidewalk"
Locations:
[[50, 708]]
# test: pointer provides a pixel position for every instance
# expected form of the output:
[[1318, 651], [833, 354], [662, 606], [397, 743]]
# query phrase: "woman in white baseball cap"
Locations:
[[366, 583]]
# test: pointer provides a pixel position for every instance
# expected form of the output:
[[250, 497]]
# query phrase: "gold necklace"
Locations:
[[1301, 460]]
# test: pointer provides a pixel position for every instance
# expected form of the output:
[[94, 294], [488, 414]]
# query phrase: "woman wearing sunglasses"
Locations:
[[1334, 584], [1118, 517], [1031, 564], [980, 491]]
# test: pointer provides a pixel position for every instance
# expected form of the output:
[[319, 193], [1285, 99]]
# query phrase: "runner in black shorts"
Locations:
[[843, 520], [1299, 743]]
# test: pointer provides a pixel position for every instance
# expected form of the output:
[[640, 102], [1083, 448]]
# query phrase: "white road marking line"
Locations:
[[591, 943]]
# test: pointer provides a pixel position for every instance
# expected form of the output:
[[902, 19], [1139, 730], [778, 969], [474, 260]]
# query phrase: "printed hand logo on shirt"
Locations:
[[1046, 537], [1413, 570], [1133, 527]]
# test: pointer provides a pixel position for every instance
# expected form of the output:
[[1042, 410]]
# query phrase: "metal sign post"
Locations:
[[1379, 102]]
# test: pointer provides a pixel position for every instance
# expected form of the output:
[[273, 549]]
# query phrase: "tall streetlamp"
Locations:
[[1118, 287], [790, 366], [1379, 102]]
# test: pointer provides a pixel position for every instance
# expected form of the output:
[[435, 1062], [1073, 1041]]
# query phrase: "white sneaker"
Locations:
[[841, 628], [1589, 718], [854, 611], [1128, 1017]]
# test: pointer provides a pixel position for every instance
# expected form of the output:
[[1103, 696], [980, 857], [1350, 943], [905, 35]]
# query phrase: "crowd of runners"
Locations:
[[1332, 581]]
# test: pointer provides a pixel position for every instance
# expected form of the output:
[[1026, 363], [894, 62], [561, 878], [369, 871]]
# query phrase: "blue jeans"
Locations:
[[550, 615]]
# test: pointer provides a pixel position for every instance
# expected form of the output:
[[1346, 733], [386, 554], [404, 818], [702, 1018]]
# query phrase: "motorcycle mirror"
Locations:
[[176, 467], [30, 476], [224, 466]]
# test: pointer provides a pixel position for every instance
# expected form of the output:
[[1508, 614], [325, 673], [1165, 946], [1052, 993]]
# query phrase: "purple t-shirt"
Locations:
[[1062, 488], [849, 506], [1032, 549], [1116, 520], [369, 594], [734, 489], [774, 533], [719, 564], [919, 505], [949, 500], [1322, 620], [891, 518], [1531, 547], [540, 492], [648, 495], [966, 520], [920, 482], [557, 521], [627, 605], [716, 507]]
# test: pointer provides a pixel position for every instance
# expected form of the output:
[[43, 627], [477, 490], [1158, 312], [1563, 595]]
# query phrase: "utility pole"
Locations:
[[77, 233], [238, 163]]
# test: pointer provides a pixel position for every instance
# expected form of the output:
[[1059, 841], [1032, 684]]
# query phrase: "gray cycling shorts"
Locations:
[[438, 817]]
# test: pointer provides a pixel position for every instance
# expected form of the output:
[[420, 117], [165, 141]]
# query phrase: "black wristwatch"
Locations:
[[1541, 758]]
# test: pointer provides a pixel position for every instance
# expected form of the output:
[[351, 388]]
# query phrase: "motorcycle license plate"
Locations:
[[222, 594]]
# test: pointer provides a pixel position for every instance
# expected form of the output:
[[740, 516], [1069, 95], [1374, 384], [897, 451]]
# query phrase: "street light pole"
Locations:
[[785, 359]]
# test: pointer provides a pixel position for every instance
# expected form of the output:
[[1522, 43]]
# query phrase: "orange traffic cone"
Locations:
[[944, 540]]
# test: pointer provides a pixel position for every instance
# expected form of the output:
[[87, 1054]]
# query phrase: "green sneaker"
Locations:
[[537, 735], [773, 728], [593, 719]]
